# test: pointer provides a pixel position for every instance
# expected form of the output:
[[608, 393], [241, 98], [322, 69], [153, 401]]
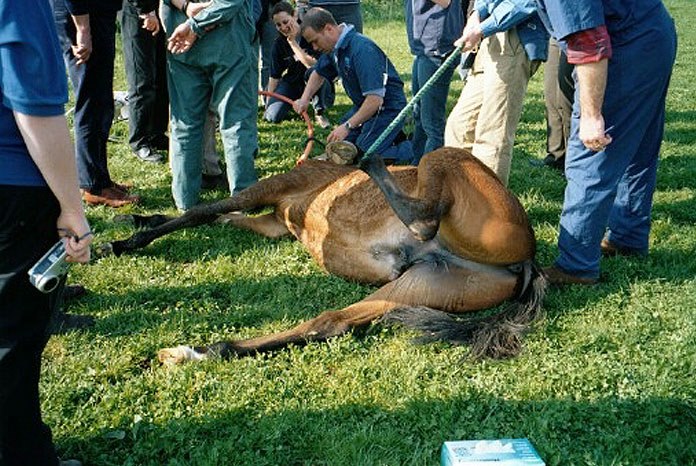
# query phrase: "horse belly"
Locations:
[[352, 232]]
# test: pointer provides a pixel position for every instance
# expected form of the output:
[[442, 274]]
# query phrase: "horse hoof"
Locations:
[[124, 218], [103, 250], [424, 230], [172, 356], [178, 355]]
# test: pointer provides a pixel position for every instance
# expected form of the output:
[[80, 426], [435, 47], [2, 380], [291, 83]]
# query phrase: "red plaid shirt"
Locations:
[[589, 46]]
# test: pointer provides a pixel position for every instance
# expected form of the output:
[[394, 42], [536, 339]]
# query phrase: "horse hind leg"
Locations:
[[326, 325], [420, 215], [266, 225]]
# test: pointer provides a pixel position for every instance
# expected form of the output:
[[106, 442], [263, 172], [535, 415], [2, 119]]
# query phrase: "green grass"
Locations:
[[608, 378]]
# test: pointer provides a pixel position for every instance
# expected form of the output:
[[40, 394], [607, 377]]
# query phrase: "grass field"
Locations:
[[608, 378]]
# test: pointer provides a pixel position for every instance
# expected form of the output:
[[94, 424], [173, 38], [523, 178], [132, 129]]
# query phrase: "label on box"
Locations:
[[502, 452]]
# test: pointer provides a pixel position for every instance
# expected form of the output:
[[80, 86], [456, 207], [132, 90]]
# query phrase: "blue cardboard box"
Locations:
[[502, 452]]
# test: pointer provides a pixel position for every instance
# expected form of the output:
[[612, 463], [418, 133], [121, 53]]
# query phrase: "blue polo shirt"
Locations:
[[619, 16], [364, 69], [32, 82]]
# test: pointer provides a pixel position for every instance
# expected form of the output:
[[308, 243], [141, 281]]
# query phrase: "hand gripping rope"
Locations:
[[402, 114]]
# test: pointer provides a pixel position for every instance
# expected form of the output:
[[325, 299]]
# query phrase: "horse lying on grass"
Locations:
[[445, 237]]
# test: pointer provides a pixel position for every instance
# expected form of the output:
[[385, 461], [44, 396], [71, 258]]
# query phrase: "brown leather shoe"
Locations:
[[112, 197], [125, 187], [610, 249], [558, 277]]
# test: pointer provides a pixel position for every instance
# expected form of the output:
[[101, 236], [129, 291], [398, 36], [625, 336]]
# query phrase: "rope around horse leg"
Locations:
[[402, 114]]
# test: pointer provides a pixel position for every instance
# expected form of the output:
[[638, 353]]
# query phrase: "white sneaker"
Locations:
[[322, 121]]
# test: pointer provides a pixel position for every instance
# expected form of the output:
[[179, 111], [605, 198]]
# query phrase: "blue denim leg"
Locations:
[[629, 220], [364, 136], [189, 92], [235, 98], [277, 110], [429, 112], [614, 188]]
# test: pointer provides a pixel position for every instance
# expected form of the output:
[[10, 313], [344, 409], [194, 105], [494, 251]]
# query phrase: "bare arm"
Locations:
[[472, 34], [49, 144], [592, 82], [293, 40]]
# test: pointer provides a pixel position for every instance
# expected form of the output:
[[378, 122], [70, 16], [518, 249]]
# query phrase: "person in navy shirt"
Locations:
[[623, 52], [39, 202], [291, 57], [369, 78]]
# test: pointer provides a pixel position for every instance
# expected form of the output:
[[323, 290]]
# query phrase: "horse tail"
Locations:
[[498, 335]]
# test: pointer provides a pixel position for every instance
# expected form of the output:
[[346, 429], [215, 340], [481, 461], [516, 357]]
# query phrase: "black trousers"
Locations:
[[146, 68], [27, 230]]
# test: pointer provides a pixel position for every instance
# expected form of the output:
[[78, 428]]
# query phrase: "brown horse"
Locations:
[[445, 237]]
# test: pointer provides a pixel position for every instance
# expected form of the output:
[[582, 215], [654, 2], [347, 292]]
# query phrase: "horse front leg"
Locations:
[[420, 215], [198, 215]]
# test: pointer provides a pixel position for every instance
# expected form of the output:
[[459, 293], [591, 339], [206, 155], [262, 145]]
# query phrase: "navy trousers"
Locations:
[[94, 100], [609, 193]]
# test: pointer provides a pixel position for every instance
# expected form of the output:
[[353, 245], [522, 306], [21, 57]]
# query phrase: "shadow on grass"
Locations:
[[605, 431]]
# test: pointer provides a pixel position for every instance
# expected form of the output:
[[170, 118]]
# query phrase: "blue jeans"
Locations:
[[610, 192], [367, 134], [429, 113], [277, 110], [94, 100]]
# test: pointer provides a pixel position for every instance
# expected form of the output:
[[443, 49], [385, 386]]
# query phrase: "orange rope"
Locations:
[[305, 116]]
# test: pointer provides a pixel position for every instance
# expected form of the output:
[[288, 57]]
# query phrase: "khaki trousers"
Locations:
[[485, 118]]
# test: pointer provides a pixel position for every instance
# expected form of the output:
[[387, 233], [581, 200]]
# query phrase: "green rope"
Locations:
[[402, 114]]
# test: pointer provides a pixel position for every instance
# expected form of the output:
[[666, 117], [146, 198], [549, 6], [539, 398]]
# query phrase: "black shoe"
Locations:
[[148, 154], [209, 182], [73, 292], [551, 162], [161, 142]]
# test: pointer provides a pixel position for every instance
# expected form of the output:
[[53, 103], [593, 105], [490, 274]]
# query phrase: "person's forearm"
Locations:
[[306, 59], [49, 144], [592, 82], [82, 23], [367, 110]]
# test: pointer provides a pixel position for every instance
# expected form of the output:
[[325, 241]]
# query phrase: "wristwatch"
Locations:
[[348, 125]]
